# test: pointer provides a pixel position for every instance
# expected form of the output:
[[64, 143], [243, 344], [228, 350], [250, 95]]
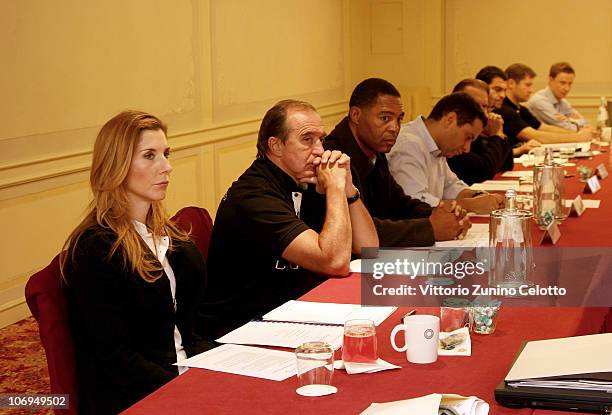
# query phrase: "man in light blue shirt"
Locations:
[[417, 161], [549, 104]]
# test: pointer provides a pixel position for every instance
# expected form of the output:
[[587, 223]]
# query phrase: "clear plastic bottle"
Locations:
[[510, 246], [548, 191], [602, 114]]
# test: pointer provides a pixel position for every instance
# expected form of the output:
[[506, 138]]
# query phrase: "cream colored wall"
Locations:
[[401, 41], [210, 69], [537, 33]]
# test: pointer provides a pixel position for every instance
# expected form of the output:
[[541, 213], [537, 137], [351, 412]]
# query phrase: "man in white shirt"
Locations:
[[549, 104], [418, 159]]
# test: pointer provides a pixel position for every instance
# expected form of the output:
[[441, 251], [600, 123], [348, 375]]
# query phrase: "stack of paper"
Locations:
[[327, 313], [496, 185], [283, 334], [297, 322], [518, 174]]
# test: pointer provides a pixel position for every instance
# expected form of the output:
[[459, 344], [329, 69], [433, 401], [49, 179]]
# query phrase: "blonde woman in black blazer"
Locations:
[[134, 280]]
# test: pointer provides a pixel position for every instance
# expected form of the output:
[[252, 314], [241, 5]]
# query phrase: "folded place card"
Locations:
[[551, 233], [577, 207], [592, 185], [602, 172]]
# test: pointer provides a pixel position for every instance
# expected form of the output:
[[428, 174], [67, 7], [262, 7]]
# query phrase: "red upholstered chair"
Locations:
[[198, 221], [47, 301]]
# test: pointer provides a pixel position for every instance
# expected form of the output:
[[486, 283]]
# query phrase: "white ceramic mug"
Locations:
[[421, 334]]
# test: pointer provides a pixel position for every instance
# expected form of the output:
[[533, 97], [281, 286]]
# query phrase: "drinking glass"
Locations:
[[359, 345], [315, 369]]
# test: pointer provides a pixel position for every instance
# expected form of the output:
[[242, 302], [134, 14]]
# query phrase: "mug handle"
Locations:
[[393, 334]]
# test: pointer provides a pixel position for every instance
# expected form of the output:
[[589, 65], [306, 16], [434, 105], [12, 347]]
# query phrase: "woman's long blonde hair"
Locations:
[[112, 157]]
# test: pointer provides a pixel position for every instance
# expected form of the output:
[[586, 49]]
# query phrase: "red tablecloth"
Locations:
[[206, 392]]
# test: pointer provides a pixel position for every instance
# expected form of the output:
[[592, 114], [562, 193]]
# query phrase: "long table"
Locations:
[[202, 391]]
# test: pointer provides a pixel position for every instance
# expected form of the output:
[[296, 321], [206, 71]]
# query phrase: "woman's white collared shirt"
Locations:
[[159, 249]]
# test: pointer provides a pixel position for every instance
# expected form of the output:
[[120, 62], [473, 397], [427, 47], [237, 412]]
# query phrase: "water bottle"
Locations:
[[602, 114], [548, 190], [511, 249]]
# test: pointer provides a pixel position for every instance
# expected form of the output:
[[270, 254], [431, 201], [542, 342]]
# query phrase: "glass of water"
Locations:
[[315, 369]]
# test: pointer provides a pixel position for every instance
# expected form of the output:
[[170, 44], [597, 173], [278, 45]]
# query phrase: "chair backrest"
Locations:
[[198, 221], [46, 298]]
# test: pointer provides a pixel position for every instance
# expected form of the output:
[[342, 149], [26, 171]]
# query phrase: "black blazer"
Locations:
[[123, 326]]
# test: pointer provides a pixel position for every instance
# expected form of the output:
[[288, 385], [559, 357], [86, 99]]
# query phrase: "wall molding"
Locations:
[[20, 175]]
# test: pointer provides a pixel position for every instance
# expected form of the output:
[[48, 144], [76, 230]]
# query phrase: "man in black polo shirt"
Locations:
[[519, 124], [273, 233], [490, 153], [496, 79], [369, 131]]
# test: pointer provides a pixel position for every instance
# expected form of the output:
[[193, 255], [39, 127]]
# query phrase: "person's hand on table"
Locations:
[[482, 204], [526, 147], [449, 221]]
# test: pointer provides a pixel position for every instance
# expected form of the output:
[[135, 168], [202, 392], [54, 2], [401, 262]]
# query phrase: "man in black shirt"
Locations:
[[273, 234], [490, 153], [519, 124], [369, 131], [496, 79]]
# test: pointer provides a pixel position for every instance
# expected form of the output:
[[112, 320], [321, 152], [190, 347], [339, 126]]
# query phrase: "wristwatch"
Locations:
[[354, 198]]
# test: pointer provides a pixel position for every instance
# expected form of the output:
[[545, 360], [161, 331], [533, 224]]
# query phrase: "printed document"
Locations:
[[284, 334], [247, 361], [477, 236]]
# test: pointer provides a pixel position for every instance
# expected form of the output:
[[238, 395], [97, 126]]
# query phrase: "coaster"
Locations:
[[316, 390]]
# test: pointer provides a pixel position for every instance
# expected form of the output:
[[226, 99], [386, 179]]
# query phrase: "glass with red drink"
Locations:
[[359, 345]]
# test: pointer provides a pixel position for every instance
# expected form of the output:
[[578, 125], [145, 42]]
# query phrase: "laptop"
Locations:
[[562, 399], [571, 400]]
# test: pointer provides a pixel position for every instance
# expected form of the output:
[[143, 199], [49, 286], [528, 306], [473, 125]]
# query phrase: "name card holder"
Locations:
[[592, 185], [551, 233], [602, 172], [577, 207]]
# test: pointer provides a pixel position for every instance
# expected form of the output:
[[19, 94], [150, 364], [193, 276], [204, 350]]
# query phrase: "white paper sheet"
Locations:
[[566, 356], [248, 361], [587, 203], [291, 335], [477, 236], [424, 405], [430, 404], [496, 185], [578, 146], [327, 313], [519, 173], [356, 368]]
